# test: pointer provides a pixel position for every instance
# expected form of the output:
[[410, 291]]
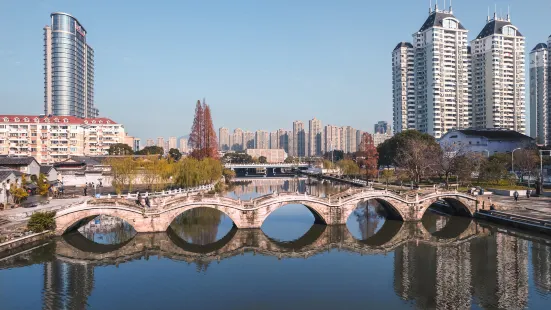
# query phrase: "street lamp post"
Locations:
[[512, 158]]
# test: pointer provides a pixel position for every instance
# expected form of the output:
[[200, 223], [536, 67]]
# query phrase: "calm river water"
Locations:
[[204, 262]]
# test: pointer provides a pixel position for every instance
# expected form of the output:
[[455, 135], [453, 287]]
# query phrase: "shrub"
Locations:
[[41, 221]]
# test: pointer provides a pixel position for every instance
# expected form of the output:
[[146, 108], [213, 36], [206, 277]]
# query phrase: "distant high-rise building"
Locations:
[[540, 93], [224, 139], [379, 138], [359, 134], [183, 147], [161, 142], [498, 62], [248, 140], [299, 139], [351, 145], [315, 143], [403, 87], [150, 142], [172, 143], [382, 127], [262, 139], [68, 69], [332, 137], [274, 140], [237, 140], [441, 74]]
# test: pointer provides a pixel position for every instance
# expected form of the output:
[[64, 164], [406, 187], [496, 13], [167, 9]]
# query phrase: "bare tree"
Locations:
[[417, 158], [453, 160]]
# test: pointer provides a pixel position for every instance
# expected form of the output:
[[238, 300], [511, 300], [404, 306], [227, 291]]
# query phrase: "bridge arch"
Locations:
[[320, 212], [66, 222], [457, 204], [395, 209], [168, 216]]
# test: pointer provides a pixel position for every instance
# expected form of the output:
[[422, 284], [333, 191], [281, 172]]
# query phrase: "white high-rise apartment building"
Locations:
[[299, 139], [224, 139], [315, 141], [540, 93], [183, 145], [332, 137], [262, 140], [161, 142], [498, 62], [172, 143], [56, 138], [441, 74], [350, 145], [403, 87], [237, 140]]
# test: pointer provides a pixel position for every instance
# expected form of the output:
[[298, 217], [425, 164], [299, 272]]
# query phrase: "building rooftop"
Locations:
[[436, 19], [45, 169], [403, 44], [495, 134], [41, 119], [540, 46], [495, 26], [4, 174], [15, 161]]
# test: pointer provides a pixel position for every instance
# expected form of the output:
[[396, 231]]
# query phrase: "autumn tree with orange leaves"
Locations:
[[367, 156], [203, 137]]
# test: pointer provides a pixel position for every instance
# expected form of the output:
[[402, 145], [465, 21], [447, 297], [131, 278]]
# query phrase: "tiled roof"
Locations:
[[540, 46], [54, 119], [496, 134], [5, 174], [495, 27], [45, 169], [436, 20], [15, 161], [403, 44]]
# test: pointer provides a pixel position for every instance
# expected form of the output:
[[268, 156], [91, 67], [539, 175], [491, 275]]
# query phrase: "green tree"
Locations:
[[388, 150], [123, 172], [493, 171], [151, 150], [237, 158], [348, 167], [174, 154], [120, 149], [41, 221], [19, 194], [289, 160], [387, 175], [262, 159], [43, 185], [228, 174]]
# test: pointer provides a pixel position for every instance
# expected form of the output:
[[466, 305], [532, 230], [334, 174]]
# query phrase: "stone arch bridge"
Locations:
[[332, 210]]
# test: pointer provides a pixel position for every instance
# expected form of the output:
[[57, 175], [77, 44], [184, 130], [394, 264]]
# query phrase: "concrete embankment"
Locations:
[[21, 244], [522, 219]]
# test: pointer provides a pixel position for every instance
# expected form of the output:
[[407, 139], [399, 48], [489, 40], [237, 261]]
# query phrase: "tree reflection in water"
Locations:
[[106, 229], [369, 216], [198, 226]]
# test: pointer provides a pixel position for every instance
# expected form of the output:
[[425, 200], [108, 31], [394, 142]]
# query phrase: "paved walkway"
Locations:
[[21, 213]]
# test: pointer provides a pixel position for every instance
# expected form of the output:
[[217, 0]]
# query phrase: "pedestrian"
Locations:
[[147, 202], [85, 191], [138, 199], [528, 193], [492, 207], [515, 194]]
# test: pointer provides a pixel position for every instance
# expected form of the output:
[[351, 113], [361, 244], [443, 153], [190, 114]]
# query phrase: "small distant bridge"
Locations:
[[267, 166], [331, 210]]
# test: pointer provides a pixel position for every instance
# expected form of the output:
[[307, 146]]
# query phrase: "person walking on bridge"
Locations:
[[515, 194]]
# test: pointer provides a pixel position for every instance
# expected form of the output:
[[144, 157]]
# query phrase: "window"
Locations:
[[509, 31], [450, 23]]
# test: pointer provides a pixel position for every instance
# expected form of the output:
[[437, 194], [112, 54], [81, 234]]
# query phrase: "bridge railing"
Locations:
[[134, 196]]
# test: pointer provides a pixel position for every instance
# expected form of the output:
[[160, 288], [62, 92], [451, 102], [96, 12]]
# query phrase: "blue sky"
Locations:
[[259, 63]]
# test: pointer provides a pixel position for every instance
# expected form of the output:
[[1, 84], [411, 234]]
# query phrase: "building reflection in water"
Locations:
[[262, 186], [488, 269], [67, 285]]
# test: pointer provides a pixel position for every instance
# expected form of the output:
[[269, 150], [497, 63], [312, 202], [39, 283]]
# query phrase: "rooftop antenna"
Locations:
[[436, 6], [495, 11], [444, 5], [430, 7], [508, 13], [488, 17], [451, 10]]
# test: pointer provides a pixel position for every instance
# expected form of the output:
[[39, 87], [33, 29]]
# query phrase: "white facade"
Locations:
[[486, 142], [332, 137], [540, 101], [441, 74], [498, 62], [53, 139], [262, 140], [299, 140], [379, 138], [403, 87], [272, 155], [224, 139]]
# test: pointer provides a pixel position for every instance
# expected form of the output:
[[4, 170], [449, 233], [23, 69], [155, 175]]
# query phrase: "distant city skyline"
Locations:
[[301, 66]]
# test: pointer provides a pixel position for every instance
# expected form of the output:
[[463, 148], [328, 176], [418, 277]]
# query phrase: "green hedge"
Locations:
[[41, 221]]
